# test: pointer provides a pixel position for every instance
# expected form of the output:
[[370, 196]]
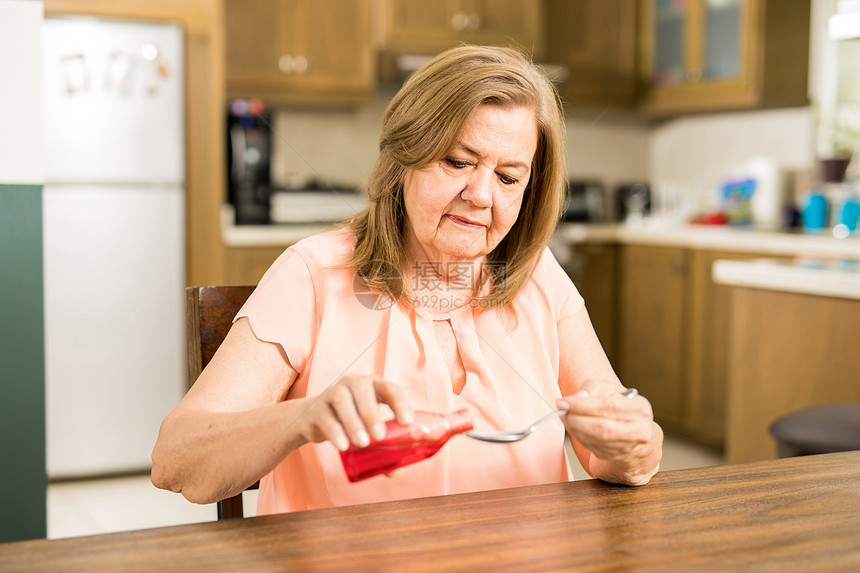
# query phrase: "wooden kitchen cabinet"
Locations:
[[707, 367], [421, 27], [651, 339], [673, 333], [707, 349], [593, 268], [246, 265], [713, 55], [595, 42], [790, 351], [312, 52]]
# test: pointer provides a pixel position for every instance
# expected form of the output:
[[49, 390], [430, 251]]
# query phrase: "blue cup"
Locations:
[[849, 213], [813, 213]]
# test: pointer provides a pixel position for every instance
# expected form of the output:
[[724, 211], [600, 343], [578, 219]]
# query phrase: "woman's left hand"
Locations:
[[619, 431]]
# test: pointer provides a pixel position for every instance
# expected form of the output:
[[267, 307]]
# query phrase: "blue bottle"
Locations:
[[813, 213]]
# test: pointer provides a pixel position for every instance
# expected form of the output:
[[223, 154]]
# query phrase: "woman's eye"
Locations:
[[507, 180], [456, 163]]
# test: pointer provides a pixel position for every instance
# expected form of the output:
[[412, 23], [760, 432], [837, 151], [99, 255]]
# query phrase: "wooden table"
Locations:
[[796, 514]]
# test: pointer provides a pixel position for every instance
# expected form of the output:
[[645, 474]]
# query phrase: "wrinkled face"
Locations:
[[460, 207]]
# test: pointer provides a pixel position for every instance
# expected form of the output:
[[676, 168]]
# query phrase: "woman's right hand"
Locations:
[[239, 406], [351, 410]]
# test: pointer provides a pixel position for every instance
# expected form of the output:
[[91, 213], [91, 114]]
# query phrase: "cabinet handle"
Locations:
[[285, 64], [694, 75], [300, 64], [460, 21], [289, 64]]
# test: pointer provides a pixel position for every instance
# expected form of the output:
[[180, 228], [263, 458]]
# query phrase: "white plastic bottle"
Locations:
[[768, 199]]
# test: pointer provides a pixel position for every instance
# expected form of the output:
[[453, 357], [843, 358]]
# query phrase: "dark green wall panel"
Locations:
[[23, 479]]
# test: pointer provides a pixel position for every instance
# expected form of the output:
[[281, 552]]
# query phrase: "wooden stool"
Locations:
[[818, 430]]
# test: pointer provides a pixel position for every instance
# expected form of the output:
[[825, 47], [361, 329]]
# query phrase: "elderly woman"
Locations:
[[441, 295]]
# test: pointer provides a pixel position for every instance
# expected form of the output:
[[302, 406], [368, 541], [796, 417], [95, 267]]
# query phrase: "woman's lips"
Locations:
[[465, 222]]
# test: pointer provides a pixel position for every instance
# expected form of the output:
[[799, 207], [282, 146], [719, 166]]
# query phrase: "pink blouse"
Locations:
[[329, 325]]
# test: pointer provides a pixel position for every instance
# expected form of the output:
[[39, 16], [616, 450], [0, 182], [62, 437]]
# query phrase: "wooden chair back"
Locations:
[[209, 313]]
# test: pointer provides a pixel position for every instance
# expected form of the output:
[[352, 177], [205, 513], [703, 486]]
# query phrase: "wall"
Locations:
[[340, 146], [695, 153], [614, 150], [689, 155], [23, 480]]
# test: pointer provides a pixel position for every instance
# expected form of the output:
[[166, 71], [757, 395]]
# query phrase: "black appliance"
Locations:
[[249, 149], [585, 201]]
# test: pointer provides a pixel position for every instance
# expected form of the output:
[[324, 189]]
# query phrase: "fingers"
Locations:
[[353, 410], [349, 402], [611, 439], [610, 424], [325, 425], [393, 395], [612, 405]]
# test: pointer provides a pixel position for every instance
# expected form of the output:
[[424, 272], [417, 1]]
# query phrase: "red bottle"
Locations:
[[404, 445]]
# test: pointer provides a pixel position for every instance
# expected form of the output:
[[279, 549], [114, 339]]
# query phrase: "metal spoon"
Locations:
[[509, 437]]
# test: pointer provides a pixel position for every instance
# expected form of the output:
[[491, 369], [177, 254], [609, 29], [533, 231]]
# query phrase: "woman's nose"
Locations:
[[478, 189]]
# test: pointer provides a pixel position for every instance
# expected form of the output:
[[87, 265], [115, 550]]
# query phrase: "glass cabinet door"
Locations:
[[696, 40], [722, 39], [670, 37], [707, 55]]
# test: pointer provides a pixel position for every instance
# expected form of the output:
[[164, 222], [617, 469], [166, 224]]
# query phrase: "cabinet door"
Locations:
[[699, 41], [420, 26], [595, 41], [329, 42], [253, 39], [503, 22], [593, 268], [430, 27], [710, 309], [705, 55], [700, 49], [651, 341], [299, 51], [710, 306]]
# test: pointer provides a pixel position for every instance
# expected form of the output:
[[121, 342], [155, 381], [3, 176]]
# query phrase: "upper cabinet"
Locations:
[[661, 57], [595, 42], [428, 27], [312, 52], [714, 55]]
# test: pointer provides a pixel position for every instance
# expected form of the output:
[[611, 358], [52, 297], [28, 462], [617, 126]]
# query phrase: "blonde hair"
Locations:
[[422, 124]]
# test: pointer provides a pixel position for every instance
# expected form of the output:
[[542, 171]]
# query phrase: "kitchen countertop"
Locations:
[[269, 235], [714, 238], [265, 235], [833, 278], [690, 236]]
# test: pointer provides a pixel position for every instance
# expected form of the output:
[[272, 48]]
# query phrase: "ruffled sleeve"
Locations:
[[283, 308]]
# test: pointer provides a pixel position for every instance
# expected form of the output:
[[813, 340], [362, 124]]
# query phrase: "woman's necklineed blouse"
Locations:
[[329, 325]]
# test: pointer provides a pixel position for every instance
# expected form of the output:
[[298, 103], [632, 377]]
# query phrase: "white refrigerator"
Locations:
[[114, 240]]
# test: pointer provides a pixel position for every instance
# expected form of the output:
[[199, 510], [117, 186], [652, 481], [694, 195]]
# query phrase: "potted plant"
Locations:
[[840, 138]]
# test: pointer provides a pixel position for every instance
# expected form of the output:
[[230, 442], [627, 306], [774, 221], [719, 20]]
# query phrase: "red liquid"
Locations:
[[404, 445]]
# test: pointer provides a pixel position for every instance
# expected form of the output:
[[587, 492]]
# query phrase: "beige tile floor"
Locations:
[[120, 504]]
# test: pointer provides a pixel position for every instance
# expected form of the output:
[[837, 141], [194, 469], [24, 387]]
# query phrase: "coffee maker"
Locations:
[[249, 141]]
